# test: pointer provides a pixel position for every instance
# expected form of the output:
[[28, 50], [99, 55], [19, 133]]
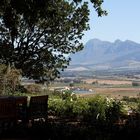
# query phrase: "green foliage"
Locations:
[[67, 108], [2, 69], [68, 95], [36, 35], [130, 99], [135, 83], [12, 79], [21, 89], [56, 107], [71, 84], [96, 109], [81, 108], [2, 73], [97, 5], [33, 88], [9, 79], [54, 94], [114, 111], [138, 106]]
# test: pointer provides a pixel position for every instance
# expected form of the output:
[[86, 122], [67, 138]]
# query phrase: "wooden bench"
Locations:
[[38, 108], [7, 113], [7, 109], [21, 108], [15, 109]]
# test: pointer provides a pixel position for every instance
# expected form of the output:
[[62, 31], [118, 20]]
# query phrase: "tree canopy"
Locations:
[[36, 35]]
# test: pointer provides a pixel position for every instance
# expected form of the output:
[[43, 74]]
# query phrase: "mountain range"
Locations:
[[99, 54]]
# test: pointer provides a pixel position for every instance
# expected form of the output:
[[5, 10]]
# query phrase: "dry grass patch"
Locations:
[[108, 82]]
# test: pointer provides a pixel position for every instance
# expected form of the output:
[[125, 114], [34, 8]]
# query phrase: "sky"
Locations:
[[122, 22]]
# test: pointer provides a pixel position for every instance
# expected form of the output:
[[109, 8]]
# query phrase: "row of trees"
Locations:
[[36, 35]]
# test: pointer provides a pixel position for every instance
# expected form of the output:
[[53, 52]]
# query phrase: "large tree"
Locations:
[[36, 35]]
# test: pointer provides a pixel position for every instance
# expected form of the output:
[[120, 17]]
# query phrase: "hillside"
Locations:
[[99, 54]]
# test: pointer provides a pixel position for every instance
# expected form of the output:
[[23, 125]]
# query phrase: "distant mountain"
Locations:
[[99, 54]]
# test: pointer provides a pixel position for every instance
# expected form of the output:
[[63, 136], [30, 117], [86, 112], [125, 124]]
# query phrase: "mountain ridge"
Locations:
[[98, 53]]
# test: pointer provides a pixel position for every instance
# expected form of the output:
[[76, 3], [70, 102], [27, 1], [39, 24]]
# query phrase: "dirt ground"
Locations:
[[112, 88], [118, 92], [115, 92], [111, 82]]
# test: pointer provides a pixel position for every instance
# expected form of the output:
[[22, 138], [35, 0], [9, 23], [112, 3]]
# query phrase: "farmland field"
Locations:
[[107, 87], [109, 82]]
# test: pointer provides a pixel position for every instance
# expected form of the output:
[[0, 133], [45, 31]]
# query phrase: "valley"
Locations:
[[105, 68], [116, 85]]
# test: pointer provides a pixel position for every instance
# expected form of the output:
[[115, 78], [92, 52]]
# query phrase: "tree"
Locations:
[[9, 79], [2, 73], [97, 4], [36, 35]]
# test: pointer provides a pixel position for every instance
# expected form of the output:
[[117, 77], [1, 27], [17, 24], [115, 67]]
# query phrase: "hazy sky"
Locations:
[[122, 22]]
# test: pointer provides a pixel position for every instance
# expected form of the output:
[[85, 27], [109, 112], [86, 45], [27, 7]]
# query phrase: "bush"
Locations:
[[97, 109], [66, 109], [2, 73], [80, 108], [54, 93], [9, 79], [21, 89], [71, 84], [69, 95], [135, 83], [95, 82], [113, 111], [33, 88], [138, 106], [56, 107], [130, 99]]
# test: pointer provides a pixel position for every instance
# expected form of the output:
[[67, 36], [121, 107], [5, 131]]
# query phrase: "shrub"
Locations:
[[67, 108], [68, 95], [33, 88], [138, 106], [113, 111], [2, 72], [80, 108], [95, 82], [21, 89], [135, 83], [71, 84], [56, 107], [54, 93], [97, 109], [9, 79]]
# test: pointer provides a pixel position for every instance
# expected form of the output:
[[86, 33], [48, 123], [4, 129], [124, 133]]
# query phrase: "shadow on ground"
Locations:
[[71, 131]]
